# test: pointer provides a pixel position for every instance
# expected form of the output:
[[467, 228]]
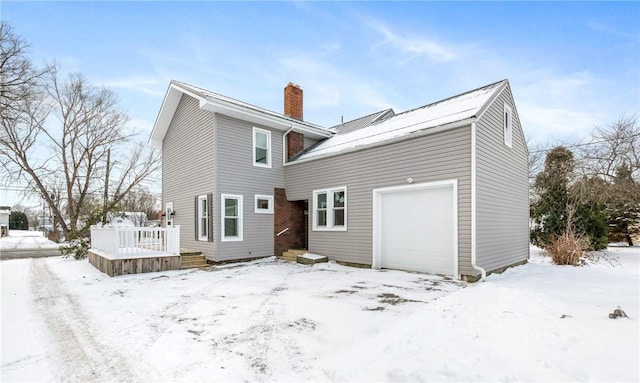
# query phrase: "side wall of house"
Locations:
[[441, 156], [236, 175], [502, 199], [188, 169], [308, 142]]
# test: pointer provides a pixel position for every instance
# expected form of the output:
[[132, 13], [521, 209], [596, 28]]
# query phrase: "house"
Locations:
[[5, 212], [440, 189]]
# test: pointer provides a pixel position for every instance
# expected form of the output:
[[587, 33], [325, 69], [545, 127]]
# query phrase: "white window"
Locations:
[[508, 125], [261, 147], [203, 218], [231, 217], [330, 209], [263, 204]]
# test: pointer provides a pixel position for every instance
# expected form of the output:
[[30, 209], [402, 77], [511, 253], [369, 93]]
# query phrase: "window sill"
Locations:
[[329, 229], [231, 239]]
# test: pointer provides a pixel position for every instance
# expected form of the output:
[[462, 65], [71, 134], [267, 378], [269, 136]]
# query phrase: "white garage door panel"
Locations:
[[417, 230]]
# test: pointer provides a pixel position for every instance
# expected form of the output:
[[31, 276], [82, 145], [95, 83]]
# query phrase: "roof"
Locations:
[[362, 122], [228, 106], [448, 113]]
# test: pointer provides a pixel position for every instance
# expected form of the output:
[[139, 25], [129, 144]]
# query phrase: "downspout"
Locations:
[[474, 265], [285, 148]]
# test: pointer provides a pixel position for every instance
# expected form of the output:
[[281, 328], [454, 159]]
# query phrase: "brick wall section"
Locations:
[[288, 214], [295, 144], [293, 101]]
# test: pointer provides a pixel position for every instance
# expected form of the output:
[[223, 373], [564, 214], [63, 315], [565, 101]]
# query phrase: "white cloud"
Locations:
[[609, 30], [142, 126], [153, 86], [544, 123], [329, 88], [413, 46]]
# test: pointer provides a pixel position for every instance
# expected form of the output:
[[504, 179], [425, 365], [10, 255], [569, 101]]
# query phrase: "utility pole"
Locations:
[[106, 188]]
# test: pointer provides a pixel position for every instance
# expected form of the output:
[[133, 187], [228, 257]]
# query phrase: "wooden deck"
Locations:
[[134, 264]]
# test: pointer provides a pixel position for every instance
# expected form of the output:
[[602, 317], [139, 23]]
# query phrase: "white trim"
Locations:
[[330, 224], [204, 198], [262, 117], [269, 198], [491, 99], [285, 147], [474, 265], [377, 256], [237, 238], [268, 134], [507, 126]]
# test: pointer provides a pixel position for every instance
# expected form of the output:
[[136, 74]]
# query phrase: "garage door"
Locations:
[[416, 228]]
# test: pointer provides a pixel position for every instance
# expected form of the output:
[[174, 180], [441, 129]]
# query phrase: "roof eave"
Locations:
[[176, 90], [168, 108], [503, 85], [258, 117]]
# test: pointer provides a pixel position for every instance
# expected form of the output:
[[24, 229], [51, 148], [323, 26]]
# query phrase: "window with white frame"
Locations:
[[330, 209], [203, 218], [263, 204], [231, 217], [261, 147], [508, 125]]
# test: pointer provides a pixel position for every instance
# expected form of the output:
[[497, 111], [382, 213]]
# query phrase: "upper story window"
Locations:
[[261, 147], [508, 125], [231, 217], [330, 209]]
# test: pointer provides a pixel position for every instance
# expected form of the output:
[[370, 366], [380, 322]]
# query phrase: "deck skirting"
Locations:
[[121, 266]]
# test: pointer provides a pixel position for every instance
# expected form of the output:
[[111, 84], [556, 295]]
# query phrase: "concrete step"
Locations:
[[292, 255], [310, 259]]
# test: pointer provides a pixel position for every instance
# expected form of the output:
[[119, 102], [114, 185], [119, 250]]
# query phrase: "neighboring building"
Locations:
[[5, 212], [440, 189]]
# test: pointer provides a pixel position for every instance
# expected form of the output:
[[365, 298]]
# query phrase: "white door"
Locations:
[[168, 214], [416, 228]]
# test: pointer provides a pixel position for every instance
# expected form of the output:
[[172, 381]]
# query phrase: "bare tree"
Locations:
[[139, 201], [17, 74], [57, 137], [610, 148]]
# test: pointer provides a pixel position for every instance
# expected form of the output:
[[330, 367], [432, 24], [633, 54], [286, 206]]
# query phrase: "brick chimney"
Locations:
[[293, 101]]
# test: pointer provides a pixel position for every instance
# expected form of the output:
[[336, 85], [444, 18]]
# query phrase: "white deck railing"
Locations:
[[136, 241]]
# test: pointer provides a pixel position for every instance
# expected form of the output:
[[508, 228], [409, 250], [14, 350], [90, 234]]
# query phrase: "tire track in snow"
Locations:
[[80, 355]]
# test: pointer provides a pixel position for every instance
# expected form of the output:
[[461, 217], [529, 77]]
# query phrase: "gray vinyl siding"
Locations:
[[188, 169], [502, 205], [436, 157], [308, 142], [237, 175]]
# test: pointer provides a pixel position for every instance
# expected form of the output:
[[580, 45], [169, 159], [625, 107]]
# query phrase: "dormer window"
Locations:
[[508, 125], [261, 148]]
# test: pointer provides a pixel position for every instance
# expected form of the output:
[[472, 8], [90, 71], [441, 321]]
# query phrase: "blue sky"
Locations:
[[572, 65]]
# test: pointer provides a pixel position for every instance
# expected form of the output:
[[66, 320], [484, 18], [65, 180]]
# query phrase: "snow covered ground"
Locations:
[[267, 320], [23, 239]]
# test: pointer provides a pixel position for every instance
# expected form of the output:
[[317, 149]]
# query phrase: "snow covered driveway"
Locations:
[[62, 320]]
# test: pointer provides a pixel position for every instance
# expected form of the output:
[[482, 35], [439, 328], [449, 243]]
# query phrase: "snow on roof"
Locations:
[[438, 114], [362, 122], [206, 94]]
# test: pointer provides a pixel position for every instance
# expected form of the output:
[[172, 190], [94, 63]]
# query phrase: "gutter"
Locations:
[[285, 148], [474, 265], [260, 117]]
